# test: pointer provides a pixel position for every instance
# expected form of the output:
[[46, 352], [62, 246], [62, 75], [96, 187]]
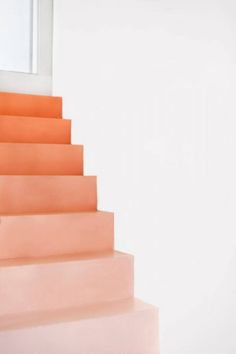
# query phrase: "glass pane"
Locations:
[[17, 35]]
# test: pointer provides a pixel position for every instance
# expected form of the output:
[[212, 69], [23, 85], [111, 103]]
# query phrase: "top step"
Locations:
[[30, 105]]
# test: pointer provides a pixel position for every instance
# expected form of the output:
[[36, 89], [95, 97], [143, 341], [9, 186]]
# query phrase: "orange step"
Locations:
[[41, 159], [119, 327], [47, 194], [15, 129], [15, 104], [44, 235], [52, 284]]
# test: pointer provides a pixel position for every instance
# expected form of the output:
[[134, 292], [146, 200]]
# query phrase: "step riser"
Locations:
[[131, 333], [36, 236], [29, 105], [40, 159], [34, 130], [63, 284], [47, 194]]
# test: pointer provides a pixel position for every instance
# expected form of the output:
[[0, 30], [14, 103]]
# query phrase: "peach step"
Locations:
[[43, 235], [47, 194], [123, 327], [15, 129], [40, 159], [57, 283], [30, 105]]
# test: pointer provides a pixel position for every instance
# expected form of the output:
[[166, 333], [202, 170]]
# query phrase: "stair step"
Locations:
[[30, 105], [47, 194], [44, 235], [57, 283], [41, 159], [121, 327], [16, 129]]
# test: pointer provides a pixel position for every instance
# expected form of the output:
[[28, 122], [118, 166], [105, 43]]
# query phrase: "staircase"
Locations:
[[63, 288]]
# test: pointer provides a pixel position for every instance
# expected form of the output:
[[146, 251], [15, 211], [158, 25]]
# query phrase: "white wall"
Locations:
[[151, 86]]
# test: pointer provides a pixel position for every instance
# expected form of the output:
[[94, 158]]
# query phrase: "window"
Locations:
[[18, 35], [26, 38]]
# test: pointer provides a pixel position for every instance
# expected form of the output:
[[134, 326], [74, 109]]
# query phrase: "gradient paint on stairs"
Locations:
[[63, 288], [18, 129]]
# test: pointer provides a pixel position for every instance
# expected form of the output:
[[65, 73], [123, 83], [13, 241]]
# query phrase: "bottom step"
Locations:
[[124, 327]]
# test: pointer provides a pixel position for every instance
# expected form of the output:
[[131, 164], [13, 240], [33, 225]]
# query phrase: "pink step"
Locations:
[[15, 104], [58, 283], [124, 327], [47, 194], [15, 129], [41, 159], [44, 235]]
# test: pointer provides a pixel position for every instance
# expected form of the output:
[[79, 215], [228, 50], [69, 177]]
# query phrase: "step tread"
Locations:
[[90, 257], [21, 118], [38, 145], [108, 309], [56, 213]]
